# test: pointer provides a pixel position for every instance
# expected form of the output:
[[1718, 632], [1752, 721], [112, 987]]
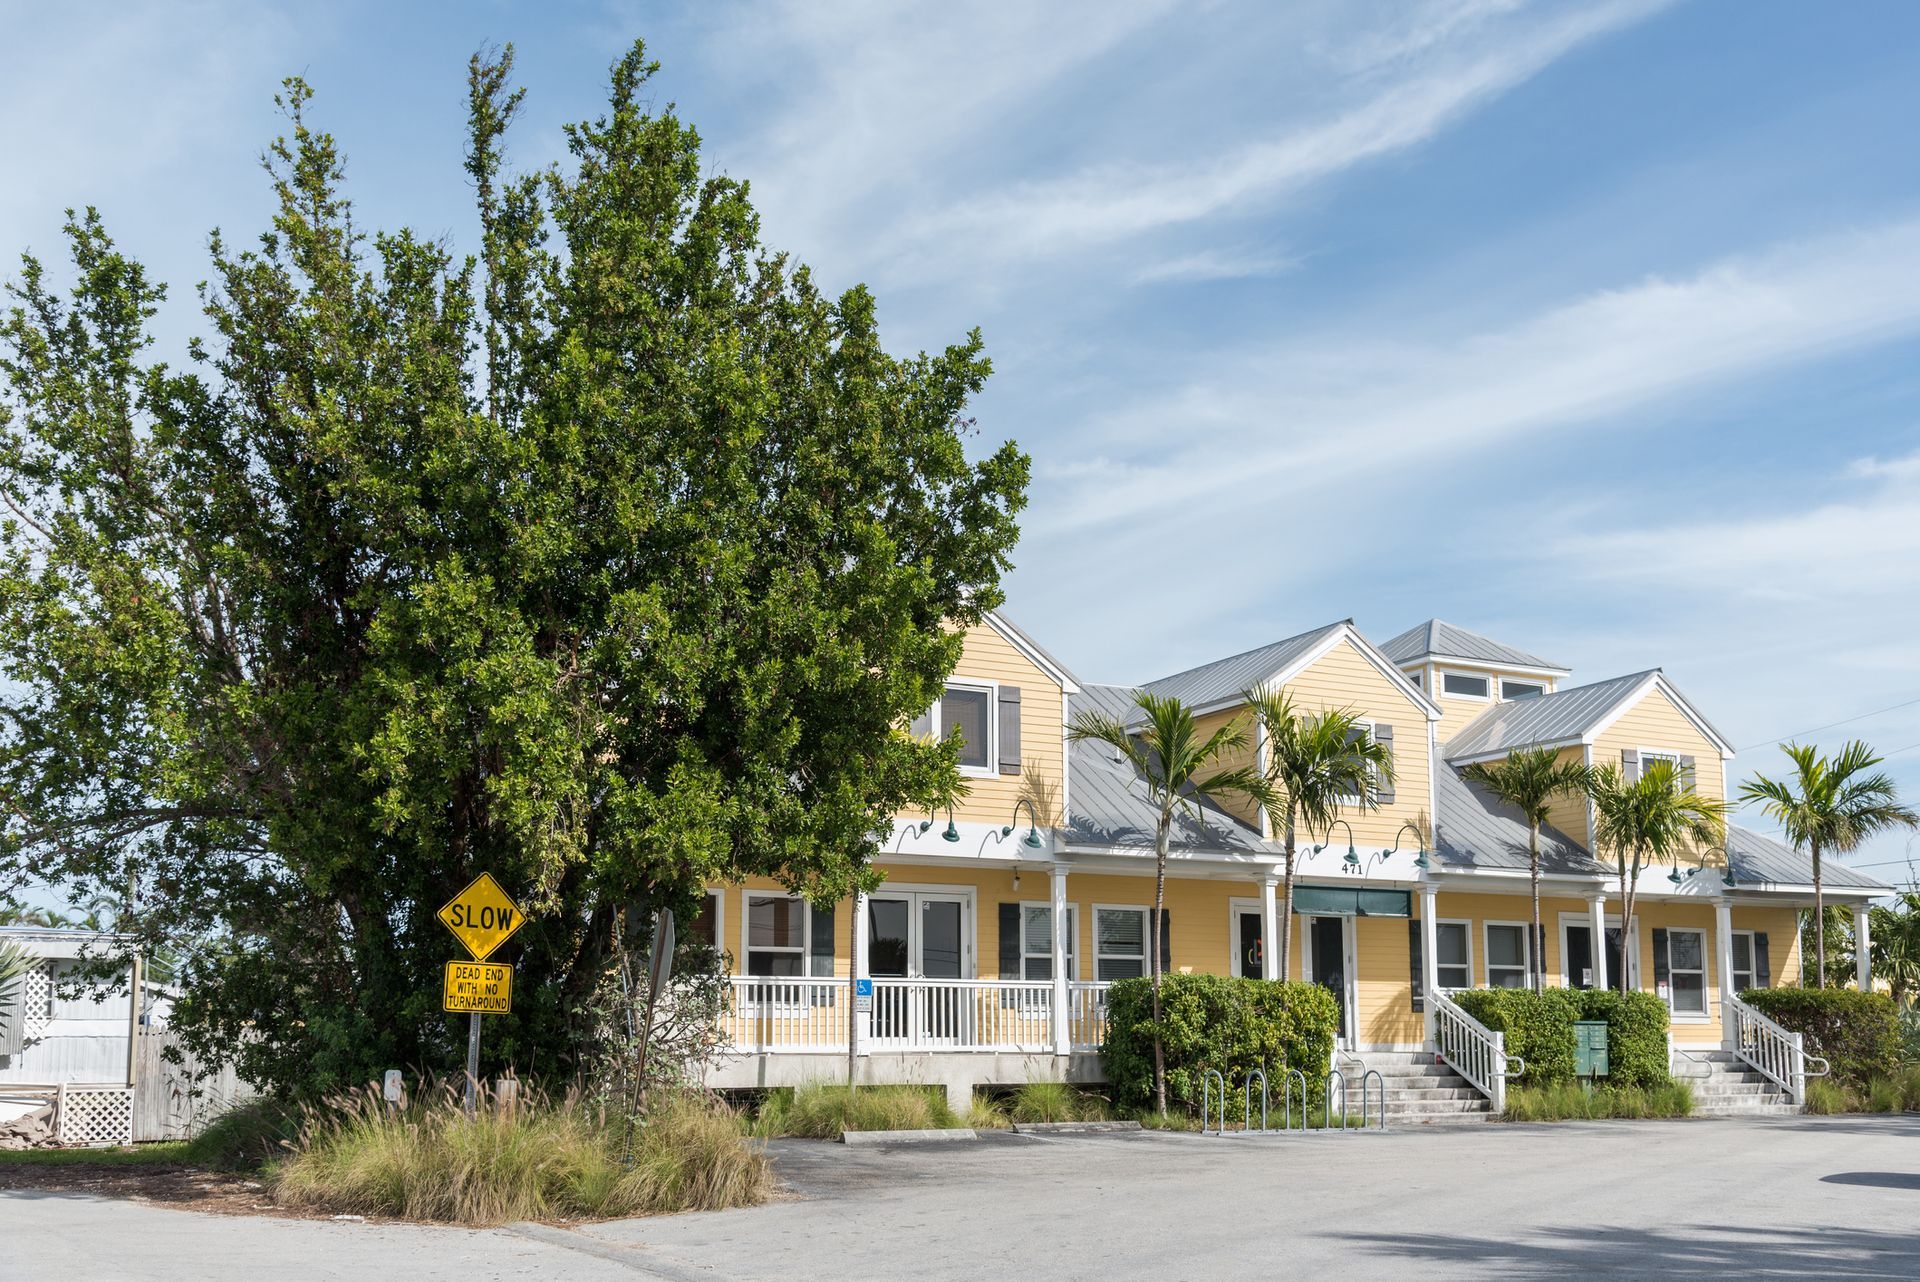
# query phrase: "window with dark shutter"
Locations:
[[1009, 730], [820, 950], [1010, 941], [1760, 959], [1413, 953], [1383, 786]]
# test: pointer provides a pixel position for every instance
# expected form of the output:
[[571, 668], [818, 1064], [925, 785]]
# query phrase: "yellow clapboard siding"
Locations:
[[990, 657], [1654, 724], [1344, 678], [1246, 755]]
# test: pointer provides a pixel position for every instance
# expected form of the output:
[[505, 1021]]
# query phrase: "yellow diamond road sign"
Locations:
[[481, 916], [484, 988]]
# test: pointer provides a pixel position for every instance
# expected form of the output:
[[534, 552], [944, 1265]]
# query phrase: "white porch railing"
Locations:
[[1474, 1051], [1775, 1053], [810, 1015]]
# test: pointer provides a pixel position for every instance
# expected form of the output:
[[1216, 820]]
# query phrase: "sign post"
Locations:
[[482, 917]]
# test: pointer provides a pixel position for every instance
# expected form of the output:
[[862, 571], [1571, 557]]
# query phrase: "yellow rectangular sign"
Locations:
[[481, 916], [485, 988]]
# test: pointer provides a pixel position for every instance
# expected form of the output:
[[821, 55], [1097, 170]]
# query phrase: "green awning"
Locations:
[[1343, 901]]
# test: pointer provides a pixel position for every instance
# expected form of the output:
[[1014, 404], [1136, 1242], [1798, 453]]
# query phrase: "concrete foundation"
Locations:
[[957, 1073]]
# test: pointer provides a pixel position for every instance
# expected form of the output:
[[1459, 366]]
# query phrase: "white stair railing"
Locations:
[[1776, 1053], [1474, 1051]]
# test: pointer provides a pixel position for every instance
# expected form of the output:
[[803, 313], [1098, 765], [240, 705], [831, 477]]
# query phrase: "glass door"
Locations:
[[1248, 955], [919, 936], [1327, 965], [946, 1009]]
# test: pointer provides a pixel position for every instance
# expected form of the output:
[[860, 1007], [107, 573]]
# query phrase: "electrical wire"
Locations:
[[1831, 724]]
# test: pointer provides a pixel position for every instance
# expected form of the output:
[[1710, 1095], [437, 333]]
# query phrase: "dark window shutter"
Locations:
[[1009, 730], [922, 726], [1166, 941], [1413, 952], [1010, 941], [1763, 968], [820, 949], [1686, 772], [1660, 972], [1630, 764], [1383, 735]]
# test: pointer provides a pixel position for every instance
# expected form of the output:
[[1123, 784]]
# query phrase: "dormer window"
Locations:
[[967, 712], [1466, 685], [1511, 690]]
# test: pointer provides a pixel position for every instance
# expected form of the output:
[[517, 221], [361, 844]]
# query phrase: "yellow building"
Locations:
[[984, 956]]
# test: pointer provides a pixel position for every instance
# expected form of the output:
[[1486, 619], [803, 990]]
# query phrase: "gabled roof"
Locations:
[[1019, 640], [1436, 638], [1568, 718], [1476, 830], [1758, 858], [1221, 683], [1110, 807]]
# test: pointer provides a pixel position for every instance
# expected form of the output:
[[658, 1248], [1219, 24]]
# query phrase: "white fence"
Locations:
[[175, 1101], [1474, 1051], [810, 1015], [1775, 1053]]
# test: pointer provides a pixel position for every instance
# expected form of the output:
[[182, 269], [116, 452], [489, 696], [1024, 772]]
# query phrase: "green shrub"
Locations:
[[1909, 1080], [543, 1159], [822, 1111], [1885, 1095], [1538, 1027], [1858, 1034], [1217, 1022], [1636, 1034], [1565, 1101], [245, 1138]]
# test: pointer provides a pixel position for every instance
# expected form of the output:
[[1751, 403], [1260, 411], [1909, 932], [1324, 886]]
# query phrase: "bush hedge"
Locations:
[[1218, 1022], [1857, 1033], [1539, 1029]]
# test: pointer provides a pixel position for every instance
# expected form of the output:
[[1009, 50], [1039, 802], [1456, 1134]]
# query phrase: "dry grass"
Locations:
[[1569, 1101], [542, 1160], [825, 1112]]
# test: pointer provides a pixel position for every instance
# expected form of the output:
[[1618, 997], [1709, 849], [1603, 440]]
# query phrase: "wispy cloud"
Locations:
[[1213, 264]]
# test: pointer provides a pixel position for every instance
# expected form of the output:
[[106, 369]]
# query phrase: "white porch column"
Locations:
[[1723, 958], [1597, 917], [1429, 955], [1269, 928], [862, 1022], [1862, 949], [1062, 1012]]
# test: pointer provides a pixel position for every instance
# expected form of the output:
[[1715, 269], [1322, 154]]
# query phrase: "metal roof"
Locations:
[[1476, 830], [1110, 806], [1222, 679], [1561, 717], [1758, 858], [1437, 636]]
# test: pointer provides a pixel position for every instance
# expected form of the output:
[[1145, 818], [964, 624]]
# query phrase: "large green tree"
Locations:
[[610, 559]]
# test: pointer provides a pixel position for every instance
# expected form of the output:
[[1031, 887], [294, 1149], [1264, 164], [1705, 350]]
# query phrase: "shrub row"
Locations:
[[1218, 1022], [1857, 1033], [1539, 1029]]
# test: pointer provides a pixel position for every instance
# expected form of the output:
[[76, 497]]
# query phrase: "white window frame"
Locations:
[[747, 949], [1752, 972], [1705, 972], [1585, 922], [1145, 955], [992, 690], [1073, 936], [1372, 774], [1540, 686], [1440, 686], [1466, 933], [1526, 950]]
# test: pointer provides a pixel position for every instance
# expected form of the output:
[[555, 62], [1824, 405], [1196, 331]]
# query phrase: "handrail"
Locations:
[[1476, 1052], [1772, 1050]]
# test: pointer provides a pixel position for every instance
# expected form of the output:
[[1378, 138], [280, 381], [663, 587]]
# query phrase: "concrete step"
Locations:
[[1436, 1108], [1781, 1109], [1460, 1091]]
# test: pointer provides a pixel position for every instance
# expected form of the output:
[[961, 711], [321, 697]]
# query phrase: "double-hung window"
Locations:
[[1120, 943], [1511, 690], [1507, 956], [1452, 955], [776, 935], [1687, 971], [706, 925], [1036, 942], [965, 712], [1745, 973]]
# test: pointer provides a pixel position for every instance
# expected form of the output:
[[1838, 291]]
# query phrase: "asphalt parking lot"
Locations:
[[1767, 1198]]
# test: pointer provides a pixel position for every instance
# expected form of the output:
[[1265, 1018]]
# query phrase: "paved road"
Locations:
[[1836, 1198]]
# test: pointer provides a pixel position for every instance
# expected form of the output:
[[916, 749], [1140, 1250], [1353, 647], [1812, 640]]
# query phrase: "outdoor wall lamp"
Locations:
[[1420, 860], [952, 833], [1726, 867], [1351, 863], [1032, 839]]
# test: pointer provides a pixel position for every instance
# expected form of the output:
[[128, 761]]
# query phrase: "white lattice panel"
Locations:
[[96, 1115], [38, 992]]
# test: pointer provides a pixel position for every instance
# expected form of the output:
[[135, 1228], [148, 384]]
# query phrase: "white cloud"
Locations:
[[1213, 264]]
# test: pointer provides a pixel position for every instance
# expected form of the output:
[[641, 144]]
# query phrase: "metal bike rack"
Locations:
[[1379, 1098], [1246, 1103], [1327, 1123], [1206, 1099], [1286, 1105]]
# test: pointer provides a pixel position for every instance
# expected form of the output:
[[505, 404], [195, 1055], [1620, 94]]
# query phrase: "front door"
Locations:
[[1327, 964], [919, 935], [1579, 958], [1248, 954]]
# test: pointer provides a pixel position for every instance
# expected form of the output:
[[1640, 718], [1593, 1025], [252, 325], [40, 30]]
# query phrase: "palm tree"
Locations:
[[1829, 803], [1529, 780], [1177, 766], [15, 962], [1317, 764], [1644, 822], [1895, 945]]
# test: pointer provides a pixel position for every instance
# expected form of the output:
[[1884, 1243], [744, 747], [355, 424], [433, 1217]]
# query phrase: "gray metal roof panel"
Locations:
[[1552, 718], [1109, 800], [1437, 636], [1478, 831], [1759, 858], [1224, 678]]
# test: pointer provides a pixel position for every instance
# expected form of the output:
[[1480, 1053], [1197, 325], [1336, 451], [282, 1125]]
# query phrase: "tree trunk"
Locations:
[[1626, 924], [1536, 944], [1286, 908], [1819, 924], [1155, 960]]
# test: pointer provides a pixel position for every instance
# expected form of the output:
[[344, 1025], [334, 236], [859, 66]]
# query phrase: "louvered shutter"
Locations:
[[1763, 968], [1010, 941], [1009, 730], [820, 950], [1630, 764], [1383, 791], [1166, 942], [1661, 974], [1413, 952]]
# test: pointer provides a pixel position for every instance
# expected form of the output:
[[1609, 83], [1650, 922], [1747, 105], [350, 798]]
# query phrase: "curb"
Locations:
[[869, 1139], [1072, 1128]]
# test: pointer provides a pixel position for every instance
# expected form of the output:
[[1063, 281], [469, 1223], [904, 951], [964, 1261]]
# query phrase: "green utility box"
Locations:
[[1590, 1048]]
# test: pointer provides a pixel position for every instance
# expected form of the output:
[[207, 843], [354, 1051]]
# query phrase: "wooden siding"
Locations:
[[991, 657], [1246, 755], [1344, 678], [1655, 724]]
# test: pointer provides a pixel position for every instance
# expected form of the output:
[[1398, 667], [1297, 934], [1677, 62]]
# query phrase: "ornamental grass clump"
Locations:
[[536, 1158], [821, 1111], [1564, 1101], [1046, 1101]]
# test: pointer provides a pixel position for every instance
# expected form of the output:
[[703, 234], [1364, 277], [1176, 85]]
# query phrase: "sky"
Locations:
[[1590, 327]]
